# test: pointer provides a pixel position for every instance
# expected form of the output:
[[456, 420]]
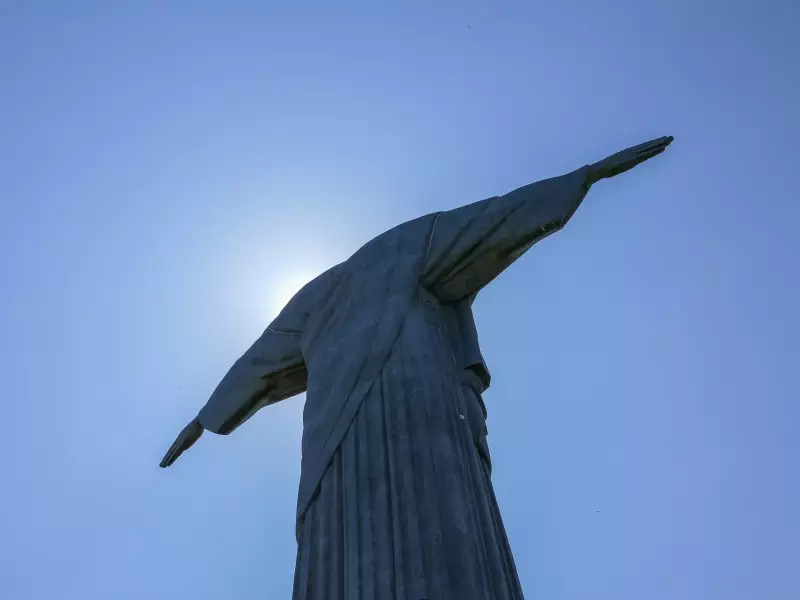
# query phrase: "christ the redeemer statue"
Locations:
[[396, 499]]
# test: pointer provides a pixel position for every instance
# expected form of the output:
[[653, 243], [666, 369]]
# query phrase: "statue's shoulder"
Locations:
[[295, 314], [407, 238]]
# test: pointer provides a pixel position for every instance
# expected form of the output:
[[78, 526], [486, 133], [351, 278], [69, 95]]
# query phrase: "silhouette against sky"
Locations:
[[171, 171]]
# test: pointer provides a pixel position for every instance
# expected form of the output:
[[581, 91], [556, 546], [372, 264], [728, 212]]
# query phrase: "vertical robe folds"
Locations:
[[395, 497]]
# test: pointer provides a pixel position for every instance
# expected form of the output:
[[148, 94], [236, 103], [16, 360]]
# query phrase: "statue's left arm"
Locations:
[[472, 245]]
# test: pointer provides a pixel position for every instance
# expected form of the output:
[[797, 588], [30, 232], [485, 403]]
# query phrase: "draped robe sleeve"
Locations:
[[272, 369], [472, 245]]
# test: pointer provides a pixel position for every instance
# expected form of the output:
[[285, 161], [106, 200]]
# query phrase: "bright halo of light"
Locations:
[[286, 289]]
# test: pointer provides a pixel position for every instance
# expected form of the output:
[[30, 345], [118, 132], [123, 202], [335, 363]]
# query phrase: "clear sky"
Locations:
[[168, 170]]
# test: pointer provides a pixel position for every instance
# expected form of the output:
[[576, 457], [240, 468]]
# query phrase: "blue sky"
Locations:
[[168, 169]]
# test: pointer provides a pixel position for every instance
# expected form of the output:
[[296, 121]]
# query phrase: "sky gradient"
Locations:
[[170, 170]]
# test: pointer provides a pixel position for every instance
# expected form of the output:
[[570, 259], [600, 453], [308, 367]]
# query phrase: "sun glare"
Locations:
[[286, 290]]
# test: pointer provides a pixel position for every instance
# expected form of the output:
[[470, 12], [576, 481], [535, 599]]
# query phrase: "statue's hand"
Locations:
[[190, 434], [627, 159]]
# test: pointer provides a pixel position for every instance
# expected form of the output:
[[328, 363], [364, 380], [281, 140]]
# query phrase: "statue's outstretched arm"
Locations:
[[272, 369], [472, 245]]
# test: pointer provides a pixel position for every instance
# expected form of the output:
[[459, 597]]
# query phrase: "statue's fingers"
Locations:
[[167, 460], [644, 145], [651, 152], [660, 143], [170, 456], [664, 140], [648, 155], [176, 454]]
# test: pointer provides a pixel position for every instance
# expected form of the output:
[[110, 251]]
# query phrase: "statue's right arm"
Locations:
[[272, 369]]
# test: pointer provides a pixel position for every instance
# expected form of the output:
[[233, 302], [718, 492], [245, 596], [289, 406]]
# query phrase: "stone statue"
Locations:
[[395, 498]]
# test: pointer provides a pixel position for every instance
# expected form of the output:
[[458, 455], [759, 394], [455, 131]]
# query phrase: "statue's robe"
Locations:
[[395, 497]]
